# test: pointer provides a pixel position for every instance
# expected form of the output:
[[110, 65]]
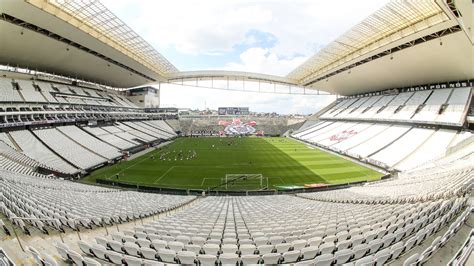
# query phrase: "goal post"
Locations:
[[245, 181]]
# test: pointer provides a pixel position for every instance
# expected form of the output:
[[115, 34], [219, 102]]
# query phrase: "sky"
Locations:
[[271, 37]]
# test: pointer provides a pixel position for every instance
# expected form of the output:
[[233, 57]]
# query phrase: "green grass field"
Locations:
[[201, 163]]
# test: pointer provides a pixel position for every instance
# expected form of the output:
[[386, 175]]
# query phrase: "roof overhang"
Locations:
[[88, 42], [410, 43], [228, 75], [449, 58], [40, 36]]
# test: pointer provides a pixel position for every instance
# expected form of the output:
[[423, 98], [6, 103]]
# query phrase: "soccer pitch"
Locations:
[[202, 163]]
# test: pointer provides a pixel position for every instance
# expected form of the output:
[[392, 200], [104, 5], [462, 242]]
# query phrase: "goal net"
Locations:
[[244, 182]]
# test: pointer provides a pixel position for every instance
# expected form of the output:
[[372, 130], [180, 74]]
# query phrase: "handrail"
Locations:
[[32, 219], [464, 252]]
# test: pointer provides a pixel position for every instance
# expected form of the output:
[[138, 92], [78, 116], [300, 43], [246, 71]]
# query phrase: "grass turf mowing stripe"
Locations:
[[283, 161]]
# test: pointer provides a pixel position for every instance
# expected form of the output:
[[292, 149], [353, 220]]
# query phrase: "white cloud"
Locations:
[[217, 27], [210, 26], [262, 60], [194, 27]]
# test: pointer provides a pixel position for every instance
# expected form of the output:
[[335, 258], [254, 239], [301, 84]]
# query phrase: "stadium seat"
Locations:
[[309, 253], [75, 257], [115, 246], [229, 258], [271, 258], [248, 259], [375, 245], [186, 257], [48, 260], [114, 257], [229, 248], [247, 249], [365, 261], [327, 248], [194, 248], [131, 248], [62, 251], [291, 256], [167, 255], [324, 260], [211, 249], [342, 256], [175, 246], [382, 256], [91, 262], [412, 260], [99, 251], [206, 259], [159, 244], [299, 244], [129, 260], [264, 249], [343, 244], [85, 247], [360, 250], [282, 247], [315, 241]]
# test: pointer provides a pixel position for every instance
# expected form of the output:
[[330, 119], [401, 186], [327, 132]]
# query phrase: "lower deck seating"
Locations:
[[147, 137], [278, 229], [160, 124], [110, 138], [99, 147], [12, 154], [6, 163], [403, 146], [75, 205], [444, 181], [36, 150], [432, 148], [163, 133], [147, 130], [68, 149], [4, 137], [392, 146]]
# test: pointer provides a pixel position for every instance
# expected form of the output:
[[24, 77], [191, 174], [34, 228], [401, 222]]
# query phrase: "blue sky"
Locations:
[[271, 37]]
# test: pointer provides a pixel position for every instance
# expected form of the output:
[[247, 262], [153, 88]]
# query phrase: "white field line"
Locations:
[[164, 174]]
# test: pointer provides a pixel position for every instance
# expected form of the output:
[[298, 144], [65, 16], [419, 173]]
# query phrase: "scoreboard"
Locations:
[[233, 111]]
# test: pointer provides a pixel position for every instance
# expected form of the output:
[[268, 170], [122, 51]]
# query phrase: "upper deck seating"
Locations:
[[438, 106], [7, 92]]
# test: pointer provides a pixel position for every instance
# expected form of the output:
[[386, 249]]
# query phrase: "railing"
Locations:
[[32, 219], [177, 191], [463, 254], [57, 227]]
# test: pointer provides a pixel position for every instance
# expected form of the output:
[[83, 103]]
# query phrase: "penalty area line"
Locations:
[[206, 178], [164, 174]]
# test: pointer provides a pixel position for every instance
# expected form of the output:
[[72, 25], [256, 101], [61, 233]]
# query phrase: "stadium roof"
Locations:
[[97, 20], [223, 74], [392, 22], [83, 39], [373, 55]]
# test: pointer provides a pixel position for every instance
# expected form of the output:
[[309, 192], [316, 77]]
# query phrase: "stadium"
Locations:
[[95, 171]]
